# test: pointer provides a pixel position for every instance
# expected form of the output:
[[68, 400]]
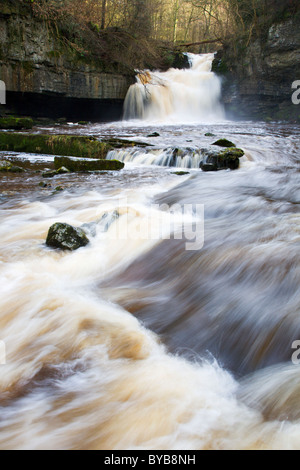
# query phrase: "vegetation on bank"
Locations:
[[74, 146], [15, 123], [146, 24], [124, 35]]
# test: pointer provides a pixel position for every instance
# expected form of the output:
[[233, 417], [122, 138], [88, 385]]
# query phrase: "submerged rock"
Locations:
[[80, 165], [102, 225], [44, 185], [224, 143], [15, 169], [107, 219], [154, 134], [49, 174], [66, 237], [52, 173], [6, 166], [209, 134], [180, 173], [228, 159]]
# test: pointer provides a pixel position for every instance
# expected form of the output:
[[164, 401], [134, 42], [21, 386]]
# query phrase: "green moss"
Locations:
[[231, 153], [224, 143], [123, 143], [222, 160], [9, 167], [16, 123], [84, 147], [76, 165], [220, 67], [66, 237], [95, 27]]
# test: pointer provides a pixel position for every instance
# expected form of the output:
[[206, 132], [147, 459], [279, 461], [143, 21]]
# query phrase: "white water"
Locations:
[[187, 158], [190, 95], [86, 332]]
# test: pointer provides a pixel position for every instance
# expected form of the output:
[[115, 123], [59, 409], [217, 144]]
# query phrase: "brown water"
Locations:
[[136, 343]]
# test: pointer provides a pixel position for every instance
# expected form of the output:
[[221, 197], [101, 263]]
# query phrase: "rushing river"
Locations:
[[136, 342]]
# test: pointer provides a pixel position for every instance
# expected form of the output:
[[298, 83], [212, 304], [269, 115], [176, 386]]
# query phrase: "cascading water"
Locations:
[[190, 95], [136, 342], [176, 96]]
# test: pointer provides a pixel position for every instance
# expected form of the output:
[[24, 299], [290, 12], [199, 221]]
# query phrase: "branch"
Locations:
[[209, 41]]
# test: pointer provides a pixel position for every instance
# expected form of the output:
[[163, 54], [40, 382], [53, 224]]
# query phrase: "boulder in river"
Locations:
[[52, 173], [6, 166], [84, 165], [154, 134], [66, 237], [224, 143], [228, 159]]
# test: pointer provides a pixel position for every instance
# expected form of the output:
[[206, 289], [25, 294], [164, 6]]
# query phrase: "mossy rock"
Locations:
[[77, 165], [6, 166], [65, 237], [52, 173], [224, 143], [209, 134], [16, 123], [208, 167], [116, 143], [154, 134], [180, 173], [49, 174], [228, 159], [15, 169], [76, 146]]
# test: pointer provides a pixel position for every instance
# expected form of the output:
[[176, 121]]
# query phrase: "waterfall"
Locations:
[[170, 157], [189, 95]]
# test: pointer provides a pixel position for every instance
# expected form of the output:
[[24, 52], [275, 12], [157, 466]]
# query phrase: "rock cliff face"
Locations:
[[257, 80], [43, 78]]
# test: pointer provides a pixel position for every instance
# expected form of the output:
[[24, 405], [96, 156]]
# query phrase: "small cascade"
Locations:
[[169, 157], [189, 95]]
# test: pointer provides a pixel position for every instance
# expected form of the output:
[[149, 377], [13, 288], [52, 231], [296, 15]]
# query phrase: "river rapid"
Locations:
[[136, 342]]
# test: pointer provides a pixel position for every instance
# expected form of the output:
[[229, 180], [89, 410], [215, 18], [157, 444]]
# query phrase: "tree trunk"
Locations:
[[103, 14]]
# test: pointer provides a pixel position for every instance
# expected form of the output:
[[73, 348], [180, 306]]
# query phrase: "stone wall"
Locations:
[[36, 67], [257, 79]]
